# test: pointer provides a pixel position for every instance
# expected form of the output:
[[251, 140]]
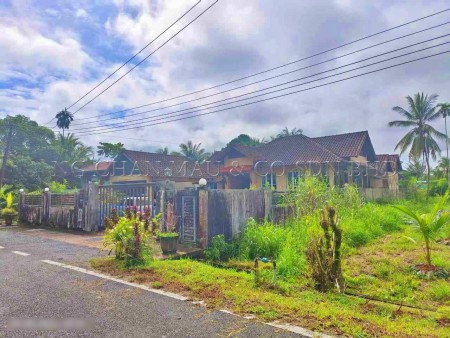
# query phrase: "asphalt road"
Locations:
[[38, 299]]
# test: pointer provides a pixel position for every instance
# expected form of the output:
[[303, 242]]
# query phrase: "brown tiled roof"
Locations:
[[154, 164], [348, 145], [290, 150], [392, 162], [99, 166]]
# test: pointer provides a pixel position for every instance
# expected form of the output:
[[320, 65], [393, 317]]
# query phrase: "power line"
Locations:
[[275, 97], [136, 65], [293, 62], [263, 80], [270, 87], [130, 59]]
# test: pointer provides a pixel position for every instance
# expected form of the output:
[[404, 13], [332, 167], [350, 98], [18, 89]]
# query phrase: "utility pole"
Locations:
[[6, 153]]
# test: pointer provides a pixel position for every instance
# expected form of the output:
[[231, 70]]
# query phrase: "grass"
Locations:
[[379, 270]]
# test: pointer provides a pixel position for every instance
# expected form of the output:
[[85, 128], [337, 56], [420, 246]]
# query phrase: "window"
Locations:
[[212, 185], [293, 178], [270, 180]]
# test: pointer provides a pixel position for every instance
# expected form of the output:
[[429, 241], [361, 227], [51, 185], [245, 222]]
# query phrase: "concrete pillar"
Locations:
[[92, 209], [202, 231]]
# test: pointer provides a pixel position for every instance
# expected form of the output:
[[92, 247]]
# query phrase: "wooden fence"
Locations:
[[54, 210]]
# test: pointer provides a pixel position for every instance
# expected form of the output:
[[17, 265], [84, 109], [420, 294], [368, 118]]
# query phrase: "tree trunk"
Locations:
[[446, 145], [428, 251], [427, 158]]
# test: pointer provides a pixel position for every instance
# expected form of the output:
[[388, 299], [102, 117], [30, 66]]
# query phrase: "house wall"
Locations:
[[127, 178]]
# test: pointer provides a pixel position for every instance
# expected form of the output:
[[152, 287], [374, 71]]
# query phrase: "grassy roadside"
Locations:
[[380, 269]]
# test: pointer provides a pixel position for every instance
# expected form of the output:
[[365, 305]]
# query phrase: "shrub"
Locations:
[[324, 253], [220, 250], [438, 187], [262, 240], [129, 239]]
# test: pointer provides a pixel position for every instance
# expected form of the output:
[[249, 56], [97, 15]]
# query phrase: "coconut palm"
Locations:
[[421, 138], [444, 164], [163, 151], [63, 119], [430, 225], [194, 152], [286, 132]]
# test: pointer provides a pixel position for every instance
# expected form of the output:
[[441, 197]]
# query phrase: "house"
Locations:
[[137, 167], [343, 158]]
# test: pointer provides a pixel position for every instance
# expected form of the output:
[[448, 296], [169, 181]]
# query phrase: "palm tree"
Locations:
[[444, 110], [286, 132], [444, 164], [164, 151], [430, 225], [194, 152], [415, 167], [64, 119], [420, 139]]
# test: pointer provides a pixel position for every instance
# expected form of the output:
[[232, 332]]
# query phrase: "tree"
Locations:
[[63, 119], [421, 138], [164, 151], [430, 225], [246, 140], [194, 152], [444, 164], [111, 150], [415, 167], [285, 132], [444, 110]]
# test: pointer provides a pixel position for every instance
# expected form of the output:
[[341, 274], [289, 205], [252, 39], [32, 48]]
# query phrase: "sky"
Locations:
[[54, 51]]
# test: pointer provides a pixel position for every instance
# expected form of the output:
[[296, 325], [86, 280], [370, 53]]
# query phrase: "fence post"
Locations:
[[267, 202], [203, 218], [21, 205], [92, 209], [46, 201]]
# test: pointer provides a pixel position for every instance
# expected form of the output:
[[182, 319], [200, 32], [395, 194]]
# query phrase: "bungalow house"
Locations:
[[344, 158], [135, 167]]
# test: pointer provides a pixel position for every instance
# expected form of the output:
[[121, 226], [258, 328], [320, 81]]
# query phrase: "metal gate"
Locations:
[[187, 207], [121, 196]]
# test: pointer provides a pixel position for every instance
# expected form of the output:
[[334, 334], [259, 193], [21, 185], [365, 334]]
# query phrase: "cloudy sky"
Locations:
[[54, 51]]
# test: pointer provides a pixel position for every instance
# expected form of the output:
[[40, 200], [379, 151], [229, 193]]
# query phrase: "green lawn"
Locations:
[[380, 270]]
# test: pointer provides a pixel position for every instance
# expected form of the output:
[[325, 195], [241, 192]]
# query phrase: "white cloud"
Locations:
[[81, 13]]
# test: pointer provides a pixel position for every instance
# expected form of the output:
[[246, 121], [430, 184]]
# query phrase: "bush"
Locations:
[[219, 250], [262, 240], [438, 187], [129, 238]]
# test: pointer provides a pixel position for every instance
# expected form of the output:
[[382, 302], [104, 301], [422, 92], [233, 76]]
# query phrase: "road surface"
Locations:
[[39, 298]]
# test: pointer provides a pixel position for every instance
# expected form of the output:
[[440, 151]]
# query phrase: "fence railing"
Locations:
[[63, 200], [33, 200]]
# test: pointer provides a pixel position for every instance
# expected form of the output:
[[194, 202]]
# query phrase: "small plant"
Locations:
[[429, 225], [324, 253], [9, 213], [128, 238]]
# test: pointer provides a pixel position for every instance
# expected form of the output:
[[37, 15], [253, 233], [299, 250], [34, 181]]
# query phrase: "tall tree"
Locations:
[[194, 152], [111, 150], [444, 110], [421, 138], [63, 119]]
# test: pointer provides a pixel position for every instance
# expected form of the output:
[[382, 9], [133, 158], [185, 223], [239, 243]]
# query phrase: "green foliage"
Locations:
[[9, 200], [245, 140], [430, 225], [129, 239], [9, 213], [439, 187], [58, 188], [220, 250], [193, 151], [111, 150]]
